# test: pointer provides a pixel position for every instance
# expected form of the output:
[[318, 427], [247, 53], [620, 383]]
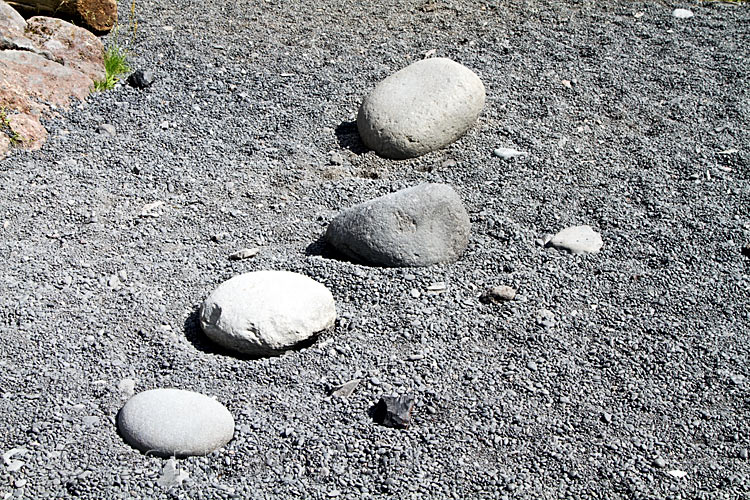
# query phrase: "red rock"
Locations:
[[29, 130], [4, 145], [71, 45], [29, 82]]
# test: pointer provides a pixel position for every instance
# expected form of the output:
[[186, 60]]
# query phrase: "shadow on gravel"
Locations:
[[321, 248], [348, 137], [195, 336]]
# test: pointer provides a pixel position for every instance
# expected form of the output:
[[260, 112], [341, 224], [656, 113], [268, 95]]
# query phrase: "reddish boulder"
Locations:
[[29, 82], [29, 131], [4, 145], [68, 44]]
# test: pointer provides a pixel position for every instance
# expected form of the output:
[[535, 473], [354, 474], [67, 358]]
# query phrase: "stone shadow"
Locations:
[[321, 248], [348, 138]]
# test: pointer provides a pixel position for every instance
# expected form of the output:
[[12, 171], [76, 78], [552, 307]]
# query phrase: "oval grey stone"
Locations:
[[417, 226], [173, 422], [421, 108], [264, 312]]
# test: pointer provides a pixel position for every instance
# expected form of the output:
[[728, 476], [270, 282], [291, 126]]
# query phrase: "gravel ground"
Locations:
[[636, 123]]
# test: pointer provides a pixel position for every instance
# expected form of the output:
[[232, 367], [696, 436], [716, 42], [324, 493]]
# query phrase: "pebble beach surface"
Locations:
[[610, 365]]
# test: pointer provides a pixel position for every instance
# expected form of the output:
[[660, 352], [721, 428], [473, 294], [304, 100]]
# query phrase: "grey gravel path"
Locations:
[[635, 123]]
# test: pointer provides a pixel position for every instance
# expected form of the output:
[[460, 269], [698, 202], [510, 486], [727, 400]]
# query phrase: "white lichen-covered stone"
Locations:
[[264, 312], [577, 240]]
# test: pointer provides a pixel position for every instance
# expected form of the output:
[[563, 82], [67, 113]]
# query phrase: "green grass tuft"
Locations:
[[5, 128], [115, 64]]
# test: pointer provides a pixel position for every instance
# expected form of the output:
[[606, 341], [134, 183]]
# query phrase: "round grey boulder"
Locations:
[[173, 422], [417, 226], [421, 108], [265, 312]]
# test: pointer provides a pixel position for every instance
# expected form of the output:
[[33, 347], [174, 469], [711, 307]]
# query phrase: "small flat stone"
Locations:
[[682, 13], [677, 474], [106, 129], [577, 240], [90, 420], [345, 390], [545, 318], [508, 153], [173, 422], [659, 462], [245, 253], [498, 294], [606, 417], [172, 474], [394, 411]]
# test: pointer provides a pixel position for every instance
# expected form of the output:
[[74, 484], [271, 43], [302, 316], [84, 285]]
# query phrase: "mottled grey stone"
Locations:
[[417, 226], [421, 108]]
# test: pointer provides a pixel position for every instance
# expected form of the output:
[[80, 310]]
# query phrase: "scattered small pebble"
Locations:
[[345, 390], [106, 129], [152, 209], [219, 237], [90, 420], [545, 318], [126, 387], [508, 153], [498, 294], [172, 474], [577, 240], [660, 462], [245, 253], [682, 13], [606, 417]]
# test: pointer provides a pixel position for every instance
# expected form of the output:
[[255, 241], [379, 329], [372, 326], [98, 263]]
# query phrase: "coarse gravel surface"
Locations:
[[622, 374]]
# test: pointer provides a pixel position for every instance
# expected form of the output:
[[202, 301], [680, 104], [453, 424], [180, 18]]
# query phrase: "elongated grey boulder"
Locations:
[[173, 422], [418, 226], [265, 312], [421, 108]]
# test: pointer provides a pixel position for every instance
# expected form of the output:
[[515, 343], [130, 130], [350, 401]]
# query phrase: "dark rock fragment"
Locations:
[[394, 411], [141, 79]]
